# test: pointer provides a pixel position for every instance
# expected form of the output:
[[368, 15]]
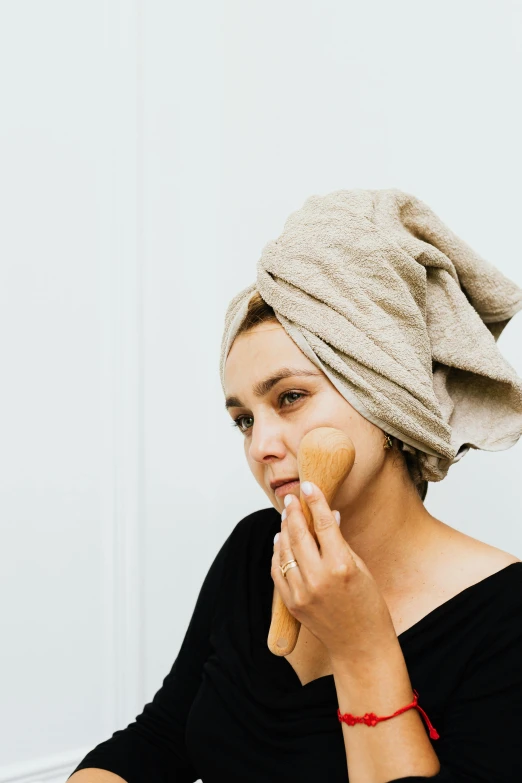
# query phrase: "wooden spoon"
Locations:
[[325, 456]]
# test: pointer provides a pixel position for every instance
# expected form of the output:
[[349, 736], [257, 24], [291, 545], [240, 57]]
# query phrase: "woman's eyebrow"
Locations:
[[263, 387]]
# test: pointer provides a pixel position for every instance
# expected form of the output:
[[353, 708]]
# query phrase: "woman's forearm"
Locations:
[[393, 748]]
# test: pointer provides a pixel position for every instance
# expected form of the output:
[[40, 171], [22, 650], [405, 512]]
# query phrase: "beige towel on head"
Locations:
[[401, 315]]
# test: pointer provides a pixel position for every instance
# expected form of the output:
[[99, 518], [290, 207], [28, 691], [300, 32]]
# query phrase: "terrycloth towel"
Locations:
[[401, 315]]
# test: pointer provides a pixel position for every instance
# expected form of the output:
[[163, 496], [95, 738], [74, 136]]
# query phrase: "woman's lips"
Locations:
[[284, 489]]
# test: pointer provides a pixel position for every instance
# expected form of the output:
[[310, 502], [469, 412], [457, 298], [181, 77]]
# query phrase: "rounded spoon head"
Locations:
[[325, 457]]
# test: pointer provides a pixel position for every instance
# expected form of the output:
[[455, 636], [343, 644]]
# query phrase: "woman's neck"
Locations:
[[391, 530]]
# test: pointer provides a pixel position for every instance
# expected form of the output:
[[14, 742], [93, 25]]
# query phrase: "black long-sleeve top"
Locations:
[[229, 710]]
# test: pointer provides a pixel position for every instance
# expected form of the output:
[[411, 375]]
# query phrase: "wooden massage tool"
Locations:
[[325, 457]]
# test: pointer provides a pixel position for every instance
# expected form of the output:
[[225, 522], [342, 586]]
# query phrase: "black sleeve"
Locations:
[[480, 735], [152, 748]]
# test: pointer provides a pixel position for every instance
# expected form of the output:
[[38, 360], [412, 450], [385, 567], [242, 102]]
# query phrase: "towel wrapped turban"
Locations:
[[401, 315]]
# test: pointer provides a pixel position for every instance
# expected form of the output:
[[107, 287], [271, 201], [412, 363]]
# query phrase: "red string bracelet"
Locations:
[[371, 719]]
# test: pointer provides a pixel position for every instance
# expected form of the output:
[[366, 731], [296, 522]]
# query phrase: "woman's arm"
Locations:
[[479, 730], [93, 775], [394, 748], [152, 747]]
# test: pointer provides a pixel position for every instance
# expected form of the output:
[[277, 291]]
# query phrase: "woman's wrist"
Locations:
[[363, 662], [380, 684], [380, 677]]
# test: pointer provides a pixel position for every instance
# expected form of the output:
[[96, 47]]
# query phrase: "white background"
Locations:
[[148, 151]]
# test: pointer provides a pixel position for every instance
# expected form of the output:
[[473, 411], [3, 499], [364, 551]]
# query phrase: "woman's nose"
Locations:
[[266, 441]]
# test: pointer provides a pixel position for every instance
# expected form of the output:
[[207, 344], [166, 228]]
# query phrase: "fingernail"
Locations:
[[283, 515], [288, 499], [306, 487], [337, 515], [276, 537]]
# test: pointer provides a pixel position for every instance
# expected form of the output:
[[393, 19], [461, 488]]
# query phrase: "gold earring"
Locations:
[[388, 443]]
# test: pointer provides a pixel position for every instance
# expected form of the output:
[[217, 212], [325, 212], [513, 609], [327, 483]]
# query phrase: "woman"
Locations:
[[370, 316]]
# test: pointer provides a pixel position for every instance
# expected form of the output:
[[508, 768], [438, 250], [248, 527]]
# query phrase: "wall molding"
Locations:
[[121, 291], [120, 338]]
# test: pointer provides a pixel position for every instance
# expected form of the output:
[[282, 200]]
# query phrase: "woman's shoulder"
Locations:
[[486, 573], [469, 560], [458, 569], [480, 559], [254, 529]]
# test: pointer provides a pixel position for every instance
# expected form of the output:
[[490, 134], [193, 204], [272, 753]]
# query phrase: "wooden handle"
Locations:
[[325, 457]]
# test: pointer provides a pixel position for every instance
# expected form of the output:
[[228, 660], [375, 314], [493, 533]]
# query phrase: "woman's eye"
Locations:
[[237, 422]]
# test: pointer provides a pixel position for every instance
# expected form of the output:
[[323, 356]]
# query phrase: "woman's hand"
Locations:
[[331, 591]]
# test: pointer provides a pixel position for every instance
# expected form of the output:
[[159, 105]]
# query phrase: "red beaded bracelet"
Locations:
[[371, 719]]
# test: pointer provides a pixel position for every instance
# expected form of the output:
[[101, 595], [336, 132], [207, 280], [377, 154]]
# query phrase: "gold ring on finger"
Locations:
[[290, 564]]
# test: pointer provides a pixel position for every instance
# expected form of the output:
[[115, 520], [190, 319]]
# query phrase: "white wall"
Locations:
[[148, 151]]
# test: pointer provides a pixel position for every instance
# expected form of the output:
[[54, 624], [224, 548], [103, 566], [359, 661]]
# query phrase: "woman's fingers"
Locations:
[[287, 583], [326, 525], [335, 550], [301, 541]]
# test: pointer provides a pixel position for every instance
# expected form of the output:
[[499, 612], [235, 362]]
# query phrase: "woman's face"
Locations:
[[273, 415]]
